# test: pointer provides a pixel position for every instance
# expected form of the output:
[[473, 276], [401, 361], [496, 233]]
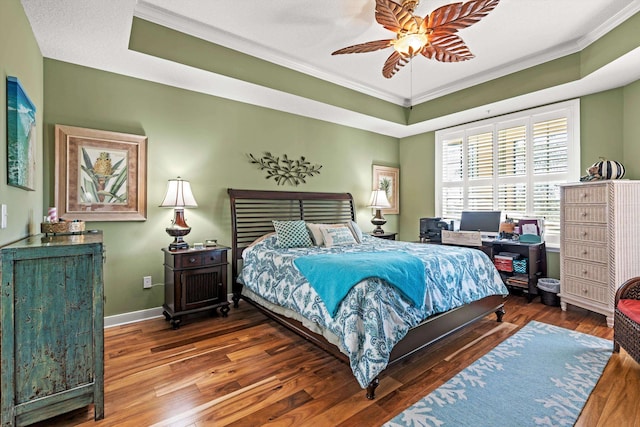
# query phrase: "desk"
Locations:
[[534, 254]]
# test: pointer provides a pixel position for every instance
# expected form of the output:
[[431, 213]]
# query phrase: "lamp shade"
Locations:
[[179, 195], [379, 200]]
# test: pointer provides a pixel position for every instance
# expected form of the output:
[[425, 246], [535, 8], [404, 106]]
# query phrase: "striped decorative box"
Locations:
[[520, 266]]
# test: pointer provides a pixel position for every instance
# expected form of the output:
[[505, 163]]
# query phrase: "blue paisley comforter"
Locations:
[[374, 316]]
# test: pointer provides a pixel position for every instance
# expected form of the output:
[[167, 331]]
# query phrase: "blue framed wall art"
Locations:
[[21, 137]]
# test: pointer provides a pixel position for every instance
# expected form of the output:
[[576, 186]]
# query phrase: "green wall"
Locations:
[[417, 192], [631, 128], [20, 57], [609, 128], [206, 140], [163, 42]]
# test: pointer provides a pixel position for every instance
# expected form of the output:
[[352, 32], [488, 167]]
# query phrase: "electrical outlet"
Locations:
[[146, 282]]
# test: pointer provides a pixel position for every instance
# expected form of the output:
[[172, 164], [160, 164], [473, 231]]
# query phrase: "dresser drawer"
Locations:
[[594, 214], [580, 288], [596, 272], [587, 252], [585, 233], [586, 194]]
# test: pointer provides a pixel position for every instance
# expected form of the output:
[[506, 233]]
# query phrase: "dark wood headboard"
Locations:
[[253, 210]]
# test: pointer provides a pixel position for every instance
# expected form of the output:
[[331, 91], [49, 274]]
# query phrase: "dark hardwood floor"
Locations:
[[246, 370]]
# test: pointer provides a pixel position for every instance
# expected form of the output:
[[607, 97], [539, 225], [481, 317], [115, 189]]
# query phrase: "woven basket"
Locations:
[[626, 333], [62, 227]]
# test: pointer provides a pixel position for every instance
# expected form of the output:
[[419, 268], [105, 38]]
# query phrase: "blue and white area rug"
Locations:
[[541, 376]]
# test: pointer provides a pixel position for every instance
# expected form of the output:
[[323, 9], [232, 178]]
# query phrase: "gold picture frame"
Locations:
[[100, 175], [388, 179]]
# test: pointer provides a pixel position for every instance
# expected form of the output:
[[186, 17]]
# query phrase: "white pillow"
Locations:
[[316, 233], [337, 236], [357, 233]]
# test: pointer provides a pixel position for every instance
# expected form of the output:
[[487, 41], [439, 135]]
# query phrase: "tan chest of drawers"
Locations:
[[599, 244]]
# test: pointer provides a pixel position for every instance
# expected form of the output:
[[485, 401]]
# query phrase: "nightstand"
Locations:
[[388, 236], [194, 280]]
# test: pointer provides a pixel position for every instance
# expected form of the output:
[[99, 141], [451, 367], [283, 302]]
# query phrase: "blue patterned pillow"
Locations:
[[337, 236], [292, 234]]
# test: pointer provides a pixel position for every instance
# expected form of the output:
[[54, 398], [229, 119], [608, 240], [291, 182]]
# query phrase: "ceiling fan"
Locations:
[[433, 36]]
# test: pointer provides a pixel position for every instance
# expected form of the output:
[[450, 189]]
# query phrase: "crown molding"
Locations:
[[608, 25], [164, 17]]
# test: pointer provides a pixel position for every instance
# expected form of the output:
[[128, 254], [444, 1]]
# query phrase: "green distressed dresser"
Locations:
[[52, 327]]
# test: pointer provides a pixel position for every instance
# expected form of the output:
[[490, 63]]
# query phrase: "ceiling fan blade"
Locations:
[[364, 47], [394, 62], [447, 48], [394, 17], [455, 16]]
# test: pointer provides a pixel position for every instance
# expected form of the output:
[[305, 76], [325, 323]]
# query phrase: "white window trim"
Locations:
[[569, 109]]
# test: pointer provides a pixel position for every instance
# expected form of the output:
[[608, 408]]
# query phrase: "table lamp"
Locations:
[[378, 202], [178, 197]]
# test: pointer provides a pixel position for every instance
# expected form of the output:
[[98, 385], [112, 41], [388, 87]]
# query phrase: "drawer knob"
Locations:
[[584, 234], [585, 272], [192, 259], [583, 214], [584, 195], [585, 252], [585, 291]]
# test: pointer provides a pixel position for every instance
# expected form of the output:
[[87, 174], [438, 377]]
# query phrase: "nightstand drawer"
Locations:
[[189, 260], [214, 257]]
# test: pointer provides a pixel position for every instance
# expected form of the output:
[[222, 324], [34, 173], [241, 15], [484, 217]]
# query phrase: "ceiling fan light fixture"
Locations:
[[410, 44], [434, 36]]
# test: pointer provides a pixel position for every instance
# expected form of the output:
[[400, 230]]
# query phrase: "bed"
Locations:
[[293, 302]]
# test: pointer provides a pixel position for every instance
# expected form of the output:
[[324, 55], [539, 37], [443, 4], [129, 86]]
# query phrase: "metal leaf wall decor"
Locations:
[[285, 170]]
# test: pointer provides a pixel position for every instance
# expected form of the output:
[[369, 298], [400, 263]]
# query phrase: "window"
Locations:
[[511, 163]]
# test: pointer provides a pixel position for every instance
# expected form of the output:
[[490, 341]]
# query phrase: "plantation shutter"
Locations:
[[452, 160], [480, 155], [452, 174], [512, 149], [550, 147], [514, 164], [452, 202]]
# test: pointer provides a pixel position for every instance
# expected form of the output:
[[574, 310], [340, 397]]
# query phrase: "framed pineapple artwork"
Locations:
[[388, 179], [100, 175]]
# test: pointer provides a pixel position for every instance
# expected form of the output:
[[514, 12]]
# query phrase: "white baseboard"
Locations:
[[131, 317], [137, 316]]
